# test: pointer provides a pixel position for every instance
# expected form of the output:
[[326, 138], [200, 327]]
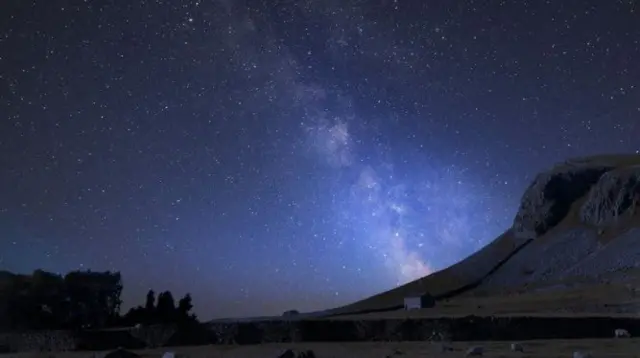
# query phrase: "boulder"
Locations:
[[549, 198], [287, 354], [615, 195], [475, 351]]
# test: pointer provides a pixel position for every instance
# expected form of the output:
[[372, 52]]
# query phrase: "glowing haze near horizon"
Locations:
[[266, 156]]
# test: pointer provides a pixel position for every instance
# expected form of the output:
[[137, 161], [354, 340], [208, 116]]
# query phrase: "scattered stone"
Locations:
[[578, 354], [445, 347], [517, 347], [396, 352], [475, 351], [307, 354], [287, 354], [621, 333]]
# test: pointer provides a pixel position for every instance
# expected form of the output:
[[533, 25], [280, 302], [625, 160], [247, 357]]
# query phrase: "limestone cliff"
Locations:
[[557, 234], [565, 212]]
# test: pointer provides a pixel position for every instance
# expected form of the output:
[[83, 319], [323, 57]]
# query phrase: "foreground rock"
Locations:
[[621, 333], [475, 351], [517, 347]]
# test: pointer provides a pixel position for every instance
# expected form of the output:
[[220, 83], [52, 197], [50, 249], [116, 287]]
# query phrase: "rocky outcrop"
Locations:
[[616, 195], [549, 198], [609, 190]]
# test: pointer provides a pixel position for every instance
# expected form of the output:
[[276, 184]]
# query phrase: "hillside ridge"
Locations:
[[559, 231]]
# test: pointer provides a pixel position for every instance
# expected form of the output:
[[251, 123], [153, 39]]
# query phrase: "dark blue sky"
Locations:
[[266, 156]]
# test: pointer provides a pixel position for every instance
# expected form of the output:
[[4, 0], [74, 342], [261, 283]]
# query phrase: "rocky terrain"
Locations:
[[619, 348], [577, 224]]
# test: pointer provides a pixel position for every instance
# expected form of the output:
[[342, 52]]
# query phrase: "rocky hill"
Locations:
[[577, 223]]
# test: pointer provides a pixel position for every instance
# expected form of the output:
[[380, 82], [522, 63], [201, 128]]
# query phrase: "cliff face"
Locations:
[[567, 213], [576, 219], [548, 199], [615, 196], [610, 183]]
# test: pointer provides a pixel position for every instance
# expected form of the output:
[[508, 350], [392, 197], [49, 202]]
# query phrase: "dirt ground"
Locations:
[[610, 348]]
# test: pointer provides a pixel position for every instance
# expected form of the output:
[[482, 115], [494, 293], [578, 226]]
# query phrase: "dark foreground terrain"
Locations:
[[468, 328], [618, 348], [568, 268]]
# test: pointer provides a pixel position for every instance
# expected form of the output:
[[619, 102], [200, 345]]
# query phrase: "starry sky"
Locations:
[[274, 155]]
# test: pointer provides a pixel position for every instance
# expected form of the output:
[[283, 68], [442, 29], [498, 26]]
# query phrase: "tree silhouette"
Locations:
[[81, 299], [44, 300], [166, 308], [150, 303], [150, 307], [185, 305]]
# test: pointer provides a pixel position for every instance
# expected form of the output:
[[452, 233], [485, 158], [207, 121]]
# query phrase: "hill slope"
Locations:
[[463, 274], [575, 222]]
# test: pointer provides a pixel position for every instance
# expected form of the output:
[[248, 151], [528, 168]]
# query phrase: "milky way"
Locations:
[[267, 156]]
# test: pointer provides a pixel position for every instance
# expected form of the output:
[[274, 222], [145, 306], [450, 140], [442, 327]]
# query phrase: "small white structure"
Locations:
[[517, 347], [475, 351], [621, 333], [417, 302]]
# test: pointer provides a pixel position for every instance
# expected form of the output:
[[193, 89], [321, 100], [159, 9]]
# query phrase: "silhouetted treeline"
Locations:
[[80, 300], [161, 311]]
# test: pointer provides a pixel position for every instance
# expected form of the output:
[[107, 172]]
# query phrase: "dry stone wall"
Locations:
[[470, 328]]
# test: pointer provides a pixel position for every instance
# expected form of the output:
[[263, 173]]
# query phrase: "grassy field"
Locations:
[[611, 348], [572, 298]]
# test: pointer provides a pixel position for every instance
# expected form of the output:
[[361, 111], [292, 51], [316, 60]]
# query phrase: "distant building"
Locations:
[[417, 302]]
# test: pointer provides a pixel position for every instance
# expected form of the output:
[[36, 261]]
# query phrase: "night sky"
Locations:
[[274, 155]]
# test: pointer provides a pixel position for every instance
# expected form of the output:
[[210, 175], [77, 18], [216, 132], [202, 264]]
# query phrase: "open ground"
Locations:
[[613, 348]]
